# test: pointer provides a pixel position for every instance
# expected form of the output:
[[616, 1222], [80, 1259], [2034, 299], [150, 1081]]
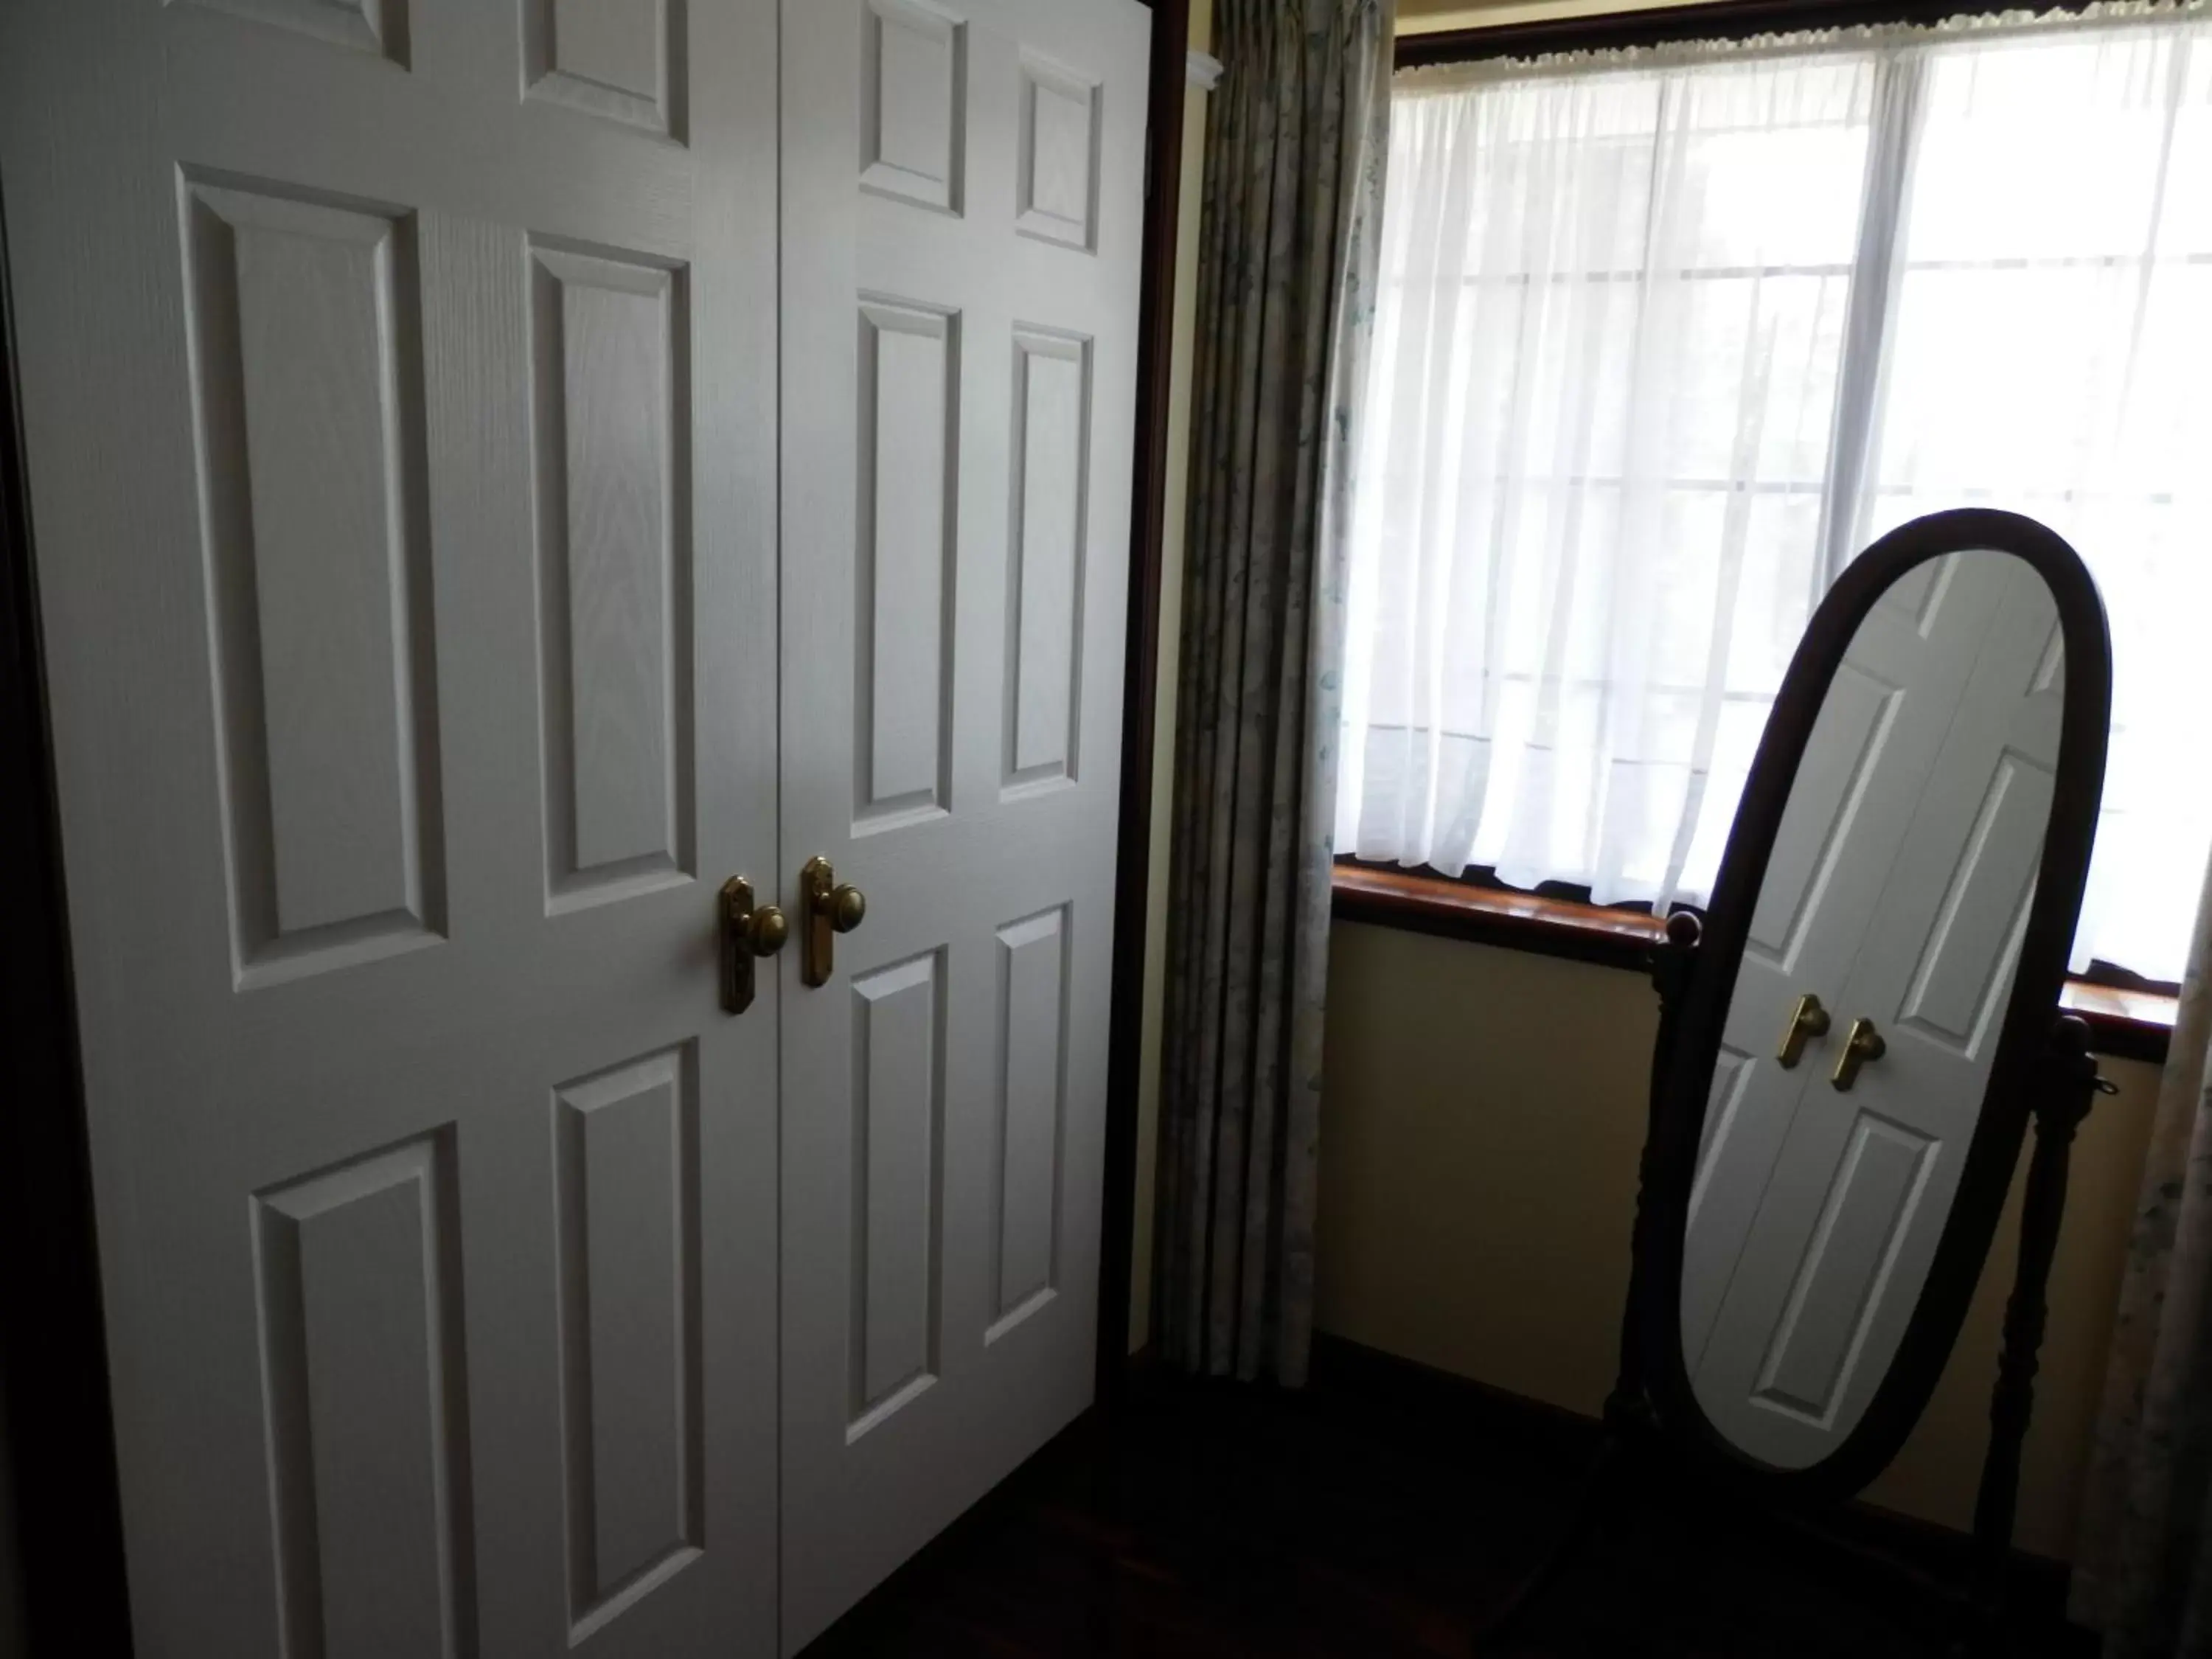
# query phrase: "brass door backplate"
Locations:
[[745, 933], [1808, 1019], [1863, 1046], [830, 909]]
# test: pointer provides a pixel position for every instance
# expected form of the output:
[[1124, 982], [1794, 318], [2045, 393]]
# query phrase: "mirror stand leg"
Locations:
[[2065, 1089], [1628, 1408], [1492, 1636]]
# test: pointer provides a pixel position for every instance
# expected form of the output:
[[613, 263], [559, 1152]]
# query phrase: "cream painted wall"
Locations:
[[1482, 1115], [1181, 364]]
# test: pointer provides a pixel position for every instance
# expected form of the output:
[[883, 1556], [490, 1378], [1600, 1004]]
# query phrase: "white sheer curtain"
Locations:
[[1662, 340], [2050, 351], [1610, 327]]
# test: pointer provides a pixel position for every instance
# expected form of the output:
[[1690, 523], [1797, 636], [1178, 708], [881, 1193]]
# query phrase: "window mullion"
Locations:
[[1877, 265]]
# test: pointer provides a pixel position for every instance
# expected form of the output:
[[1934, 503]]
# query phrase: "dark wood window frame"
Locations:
[[2129, 1018], [1705, 20]]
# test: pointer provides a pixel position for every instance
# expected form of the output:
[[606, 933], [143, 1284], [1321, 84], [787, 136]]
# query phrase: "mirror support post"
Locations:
[[1673, 960], [2066, 1088]]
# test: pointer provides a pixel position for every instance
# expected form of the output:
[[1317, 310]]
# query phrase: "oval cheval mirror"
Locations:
[[1854, 1053]]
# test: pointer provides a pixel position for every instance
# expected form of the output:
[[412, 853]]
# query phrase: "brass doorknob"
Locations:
[[1808, 1019], [770, 929], [831, 908], [1863, 1046], [745, 933]]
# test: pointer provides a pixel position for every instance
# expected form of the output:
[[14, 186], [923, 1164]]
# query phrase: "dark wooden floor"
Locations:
[[1353, 1520]]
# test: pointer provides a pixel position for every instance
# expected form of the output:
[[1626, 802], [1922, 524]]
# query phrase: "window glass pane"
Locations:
[[1593, 453], [1600, 430]]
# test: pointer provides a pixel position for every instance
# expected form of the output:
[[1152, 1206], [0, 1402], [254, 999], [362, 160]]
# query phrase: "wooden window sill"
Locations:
[[2127, 1025]]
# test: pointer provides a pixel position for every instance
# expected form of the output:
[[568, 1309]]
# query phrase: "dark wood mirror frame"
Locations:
[[2042, 1070], [2025, 1062]]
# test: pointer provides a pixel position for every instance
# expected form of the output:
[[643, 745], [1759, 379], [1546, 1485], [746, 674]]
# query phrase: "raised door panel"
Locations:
[[1843, 757], [898, 1135], [1056, 157], [914, 103], [629, 1180], [1032, 1095], [1748, 1116], [614, 570], [306, 341], [1862, 1222], [622, 60], [908, 497], [1917, 597], [375, 27], [366, 1384], [1959, 986], [1732, 1070], [1044, 648]]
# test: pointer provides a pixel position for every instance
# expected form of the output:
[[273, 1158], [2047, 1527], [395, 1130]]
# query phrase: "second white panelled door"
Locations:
[[962, 200]]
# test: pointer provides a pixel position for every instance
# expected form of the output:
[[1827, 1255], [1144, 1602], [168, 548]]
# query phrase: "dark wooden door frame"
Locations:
[[54, 1405], [1133, 870], [68, 1530]]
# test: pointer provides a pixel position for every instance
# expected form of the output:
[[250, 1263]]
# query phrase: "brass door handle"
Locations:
[[830, 909], [1863, 1046], [1808, 1019], [745, 933]]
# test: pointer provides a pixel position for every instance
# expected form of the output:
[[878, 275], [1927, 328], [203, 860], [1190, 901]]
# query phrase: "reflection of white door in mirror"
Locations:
[[1897, 891]]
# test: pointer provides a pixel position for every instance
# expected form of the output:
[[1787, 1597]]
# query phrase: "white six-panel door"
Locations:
[[1847, 1220], [962, 205], [397, 382]]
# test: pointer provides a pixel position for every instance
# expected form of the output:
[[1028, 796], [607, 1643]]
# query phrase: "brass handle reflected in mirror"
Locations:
[[830, 909], [1863, 1046], [1807, 1020], [745, 933]]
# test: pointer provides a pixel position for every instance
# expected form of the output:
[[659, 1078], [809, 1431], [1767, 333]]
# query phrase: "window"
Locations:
[[1661, 343]]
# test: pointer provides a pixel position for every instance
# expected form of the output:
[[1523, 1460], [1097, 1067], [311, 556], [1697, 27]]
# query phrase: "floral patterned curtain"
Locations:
[[2143, 1565], [1293, 207]]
